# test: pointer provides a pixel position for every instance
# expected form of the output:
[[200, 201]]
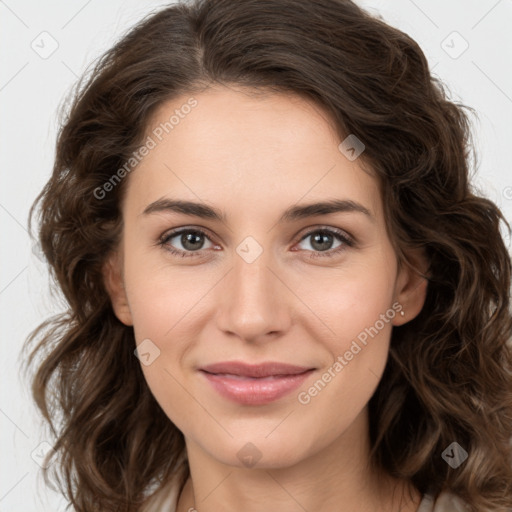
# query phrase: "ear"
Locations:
[[411, 285], [114, 283]]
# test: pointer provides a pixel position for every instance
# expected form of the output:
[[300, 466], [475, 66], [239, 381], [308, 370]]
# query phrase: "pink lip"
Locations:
[[255, 384]]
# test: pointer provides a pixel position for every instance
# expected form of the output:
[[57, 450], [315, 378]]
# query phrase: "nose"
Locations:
[[253, 301]]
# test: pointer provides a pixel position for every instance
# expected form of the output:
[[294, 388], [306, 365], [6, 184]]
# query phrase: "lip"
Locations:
[[255, 384]]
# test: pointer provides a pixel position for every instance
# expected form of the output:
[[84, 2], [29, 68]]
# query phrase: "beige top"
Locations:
[[445, 502]]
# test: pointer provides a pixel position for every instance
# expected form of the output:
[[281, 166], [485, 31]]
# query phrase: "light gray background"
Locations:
[[32, 87]]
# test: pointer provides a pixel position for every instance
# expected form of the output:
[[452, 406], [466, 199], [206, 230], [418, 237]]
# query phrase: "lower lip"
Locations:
[[248, 391]]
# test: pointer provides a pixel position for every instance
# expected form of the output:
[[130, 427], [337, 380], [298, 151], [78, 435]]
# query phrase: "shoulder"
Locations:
[[165, 500], [165, 497], [445, 502]]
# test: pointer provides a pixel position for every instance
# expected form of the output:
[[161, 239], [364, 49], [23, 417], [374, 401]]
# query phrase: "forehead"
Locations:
[[260, 149]]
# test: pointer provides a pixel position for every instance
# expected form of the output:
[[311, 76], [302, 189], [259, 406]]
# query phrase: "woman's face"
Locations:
[[261, 284]]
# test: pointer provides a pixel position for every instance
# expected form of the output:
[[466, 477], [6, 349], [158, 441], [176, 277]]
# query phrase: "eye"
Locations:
[[191, 241], [322, 240]]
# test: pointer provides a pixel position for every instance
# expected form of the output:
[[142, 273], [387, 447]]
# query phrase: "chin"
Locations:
[[278, 450]]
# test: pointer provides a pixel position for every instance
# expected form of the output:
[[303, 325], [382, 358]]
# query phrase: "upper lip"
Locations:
[[266, 369]]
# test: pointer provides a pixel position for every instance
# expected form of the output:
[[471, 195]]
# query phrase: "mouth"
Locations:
[[255, 384]]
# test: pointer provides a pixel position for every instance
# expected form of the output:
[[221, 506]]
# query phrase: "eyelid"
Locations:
[[329, 229]]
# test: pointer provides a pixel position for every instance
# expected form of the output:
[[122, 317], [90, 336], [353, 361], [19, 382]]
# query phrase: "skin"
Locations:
[[252, 157]]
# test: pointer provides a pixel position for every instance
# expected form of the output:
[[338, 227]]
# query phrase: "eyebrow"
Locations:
[[293, 213]]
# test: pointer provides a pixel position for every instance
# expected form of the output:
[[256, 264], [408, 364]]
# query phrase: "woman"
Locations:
[[283, 293]]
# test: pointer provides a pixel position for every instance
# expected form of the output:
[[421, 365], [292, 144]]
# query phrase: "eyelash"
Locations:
[[347, 242]]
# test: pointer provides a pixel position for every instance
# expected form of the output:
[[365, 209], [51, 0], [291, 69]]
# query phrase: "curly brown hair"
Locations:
[[449, 374]]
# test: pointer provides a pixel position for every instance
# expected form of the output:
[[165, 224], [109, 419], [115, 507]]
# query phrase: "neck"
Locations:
[[337, 478]]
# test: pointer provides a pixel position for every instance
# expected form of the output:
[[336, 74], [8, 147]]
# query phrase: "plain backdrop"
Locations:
[[47, 45]]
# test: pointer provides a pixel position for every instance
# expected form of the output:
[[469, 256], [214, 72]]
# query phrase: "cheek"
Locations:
[[356, 306], [162, 297], [350, 299], [162, 306]]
